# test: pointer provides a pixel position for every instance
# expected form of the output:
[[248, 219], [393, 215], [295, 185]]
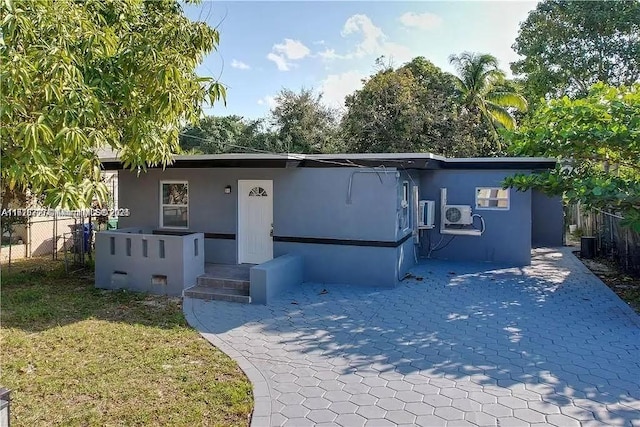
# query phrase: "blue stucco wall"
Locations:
[[547, 220], [272, 278], [312, 203], [210, 209], [180, 263], [341, 264], [308, 203], [507, 239], [406, 254], [221, 251]]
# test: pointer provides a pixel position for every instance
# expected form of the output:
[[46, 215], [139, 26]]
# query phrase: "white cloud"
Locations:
[[330, 54], [239, 65], [372, 36], [374, 42], [280, 61], [284, 53], [319, 42], [269, 101], [335, 87], [423, 21], [292, 49]]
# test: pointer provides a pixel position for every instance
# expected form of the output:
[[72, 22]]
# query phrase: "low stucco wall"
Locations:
[[46, 238], [169, 264], [18, 251], [274, 277], [42, 236]]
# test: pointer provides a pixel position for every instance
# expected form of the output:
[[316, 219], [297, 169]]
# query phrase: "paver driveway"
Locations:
[[548, 344]]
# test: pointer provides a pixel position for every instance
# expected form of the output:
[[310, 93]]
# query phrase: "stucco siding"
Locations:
[[313, 203], [342, 264], [307, 203], [406, 255], [220, 251], [547, 220], [507, 238], [344, 204]]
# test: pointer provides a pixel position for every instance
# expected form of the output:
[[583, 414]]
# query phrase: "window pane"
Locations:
[[174, 216], [258, 192], [484, 193], [492, 198], [175, 194]]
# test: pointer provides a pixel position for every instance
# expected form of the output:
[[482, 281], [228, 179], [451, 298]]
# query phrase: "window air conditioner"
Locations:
[[426, 213], [457, 214]]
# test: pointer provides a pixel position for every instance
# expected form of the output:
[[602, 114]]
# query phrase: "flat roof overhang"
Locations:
[[500, 163], [415, 161]]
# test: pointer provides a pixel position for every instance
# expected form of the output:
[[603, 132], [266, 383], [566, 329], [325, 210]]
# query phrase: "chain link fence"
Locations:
[[59, 237], [613, 241]]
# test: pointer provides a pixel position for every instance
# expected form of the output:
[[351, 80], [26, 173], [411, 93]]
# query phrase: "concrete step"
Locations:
[[208, 293], [223, 283], [227, 271]]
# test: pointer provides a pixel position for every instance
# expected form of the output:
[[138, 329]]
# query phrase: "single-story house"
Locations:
[[346, 218]]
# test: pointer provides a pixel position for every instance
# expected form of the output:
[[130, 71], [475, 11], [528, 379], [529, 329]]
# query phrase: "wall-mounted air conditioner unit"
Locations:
[[457, 215], [426, 213]]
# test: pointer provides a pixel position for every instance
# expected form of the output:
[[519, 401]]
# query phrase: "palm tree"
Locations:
[[483, 88]]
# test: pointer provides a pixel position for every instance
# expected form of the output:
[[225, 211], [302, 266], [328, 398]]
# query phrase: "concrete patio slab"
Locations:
[[456, 344]]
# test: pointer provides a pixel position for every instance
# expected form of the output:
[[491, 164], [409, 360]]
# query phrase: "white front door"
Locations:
[[255, 221]]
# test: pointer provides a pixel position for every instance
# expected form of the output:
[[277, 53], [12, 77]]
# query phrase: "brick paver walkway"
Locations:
[[459, 344]]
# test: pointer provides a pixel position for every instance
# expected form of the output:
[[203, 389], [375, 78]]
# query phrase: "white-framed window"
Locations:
[[492, 198], [404, 206], [174, 204]]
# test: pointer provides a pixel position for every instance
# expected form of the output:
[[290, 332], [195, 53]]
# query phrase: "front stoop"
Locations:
[[222, 283]]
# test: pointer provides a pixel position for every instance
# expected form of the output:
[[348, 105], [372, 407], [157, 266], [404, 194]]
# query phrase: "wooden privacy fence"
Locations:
[[613, 241]]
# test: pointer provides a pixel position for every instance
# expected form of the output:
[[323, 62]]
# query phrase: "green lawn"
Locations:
[[77, 356]]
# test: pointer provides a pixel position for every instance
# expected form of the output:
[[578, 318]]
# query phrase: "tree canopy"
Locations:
[[597, 141], [302, 123], [483, 89], [80, 76], [298, 123], [569, 45], [226, 134], [412, 108]]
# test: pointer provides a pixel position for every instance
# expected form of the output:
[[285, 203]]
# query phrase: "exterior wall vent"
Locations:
[[159, 280], [119, 280]]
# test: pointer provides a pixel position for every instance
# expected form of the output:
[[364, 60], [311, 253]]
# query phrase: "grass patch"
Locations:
[[76, 356]]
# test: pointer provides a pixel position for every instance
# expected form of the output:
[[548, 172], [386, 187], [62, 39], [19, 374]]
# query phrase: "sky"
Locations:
[[330, 46]]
